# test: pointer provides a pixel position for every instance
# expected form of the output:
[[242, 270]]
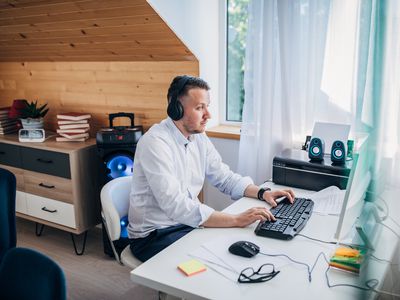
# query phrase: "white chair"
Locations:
[[115, 205]]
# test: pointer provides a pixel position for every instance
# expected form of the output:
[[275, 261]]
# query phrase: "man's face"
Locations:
[[196, 112]]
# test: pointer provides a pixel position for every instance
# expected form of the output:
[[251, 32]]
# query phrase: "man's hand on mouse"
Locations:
[[271, 196], [253, 214]]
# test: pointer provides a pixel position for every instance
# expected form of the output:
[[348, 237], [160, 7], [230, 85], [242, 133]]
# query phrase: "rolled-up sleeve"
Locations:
[[220, 175]]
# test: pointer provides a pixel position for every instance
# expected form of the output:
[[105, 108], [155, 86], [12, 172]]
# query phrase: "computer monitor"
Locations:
[[358, 182]]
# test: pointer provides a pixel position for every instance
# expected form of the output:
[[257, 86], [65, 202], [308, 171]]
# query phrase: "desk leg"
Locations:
[[165, 296], [83, 246]]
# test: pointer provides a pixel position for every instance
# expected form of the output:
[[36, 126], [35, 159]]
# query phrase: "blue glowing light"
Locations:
[[119, 166], [124, 226]]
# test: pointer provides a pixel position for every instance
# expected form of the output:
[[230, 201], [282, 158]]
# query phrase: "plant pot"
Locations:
[[30, 123]]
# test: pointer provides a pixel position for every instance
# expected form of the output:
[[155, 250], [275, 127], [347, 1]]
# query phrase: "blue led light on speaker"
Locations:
[[119, 166], [124, 226]]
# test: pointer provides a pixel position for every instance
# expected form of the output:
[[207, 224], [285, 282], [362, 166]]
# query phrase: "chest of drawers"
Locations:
[[57, 183]]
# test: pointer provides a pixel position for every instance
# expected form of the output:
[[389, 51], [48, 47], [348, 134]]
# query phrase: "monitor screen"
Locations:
[[357, 185]]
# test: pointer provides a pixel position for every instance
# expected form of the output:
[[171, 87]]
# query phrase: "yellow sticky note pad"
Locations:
[[347, 252], [191, 267]]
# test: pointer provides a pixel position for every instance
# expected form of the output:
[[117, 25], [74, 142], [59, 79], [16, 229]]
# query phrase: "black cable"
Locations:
[[317, 240], [380, 208], [398, 236], [370, 284], [382, 260], [394, 221], [334, 243], [309, 270], [297, 262]]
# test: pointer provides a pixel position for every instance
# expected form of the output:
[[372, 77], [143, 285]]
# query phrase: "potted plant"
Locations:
[[32, 115]]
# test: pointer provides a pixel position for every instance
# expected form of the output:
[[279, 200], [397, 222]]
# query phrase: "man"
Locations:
[[172, 161]]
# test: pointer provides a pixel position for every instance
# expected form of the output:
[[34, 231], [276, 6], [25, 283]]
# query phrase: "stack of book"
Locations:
[[73, 127], [7, 125], [347, 259]]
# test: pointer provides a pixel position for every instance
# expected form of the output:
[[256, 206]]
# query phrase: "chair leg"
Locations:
[[37, 225], [83, 246]]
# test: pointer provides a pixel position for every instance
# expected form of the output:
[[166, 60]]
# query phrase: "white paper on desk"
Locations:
[[328, 201], [216, 255], [331, 132]]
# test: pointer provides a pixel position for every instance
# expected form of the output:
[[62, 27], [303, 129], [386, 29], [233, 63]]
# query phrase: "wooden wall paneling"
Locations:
[[99, 88], [41, 25], [137, 37], [96, 56], [86, 30], [70, 11]]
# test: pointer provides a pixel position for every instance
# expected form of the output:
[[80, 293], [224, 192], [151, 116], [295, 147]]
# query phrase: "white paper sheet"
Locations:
[[328, 201], [216, 256]]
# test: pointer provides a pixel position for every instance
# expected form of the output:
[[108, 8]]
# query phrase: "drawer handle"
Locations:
[[49, 210], [46, 161], [46, 186]]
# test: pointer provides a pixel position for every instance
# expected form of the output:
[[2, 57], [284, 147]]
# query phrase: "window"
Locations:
[[237, 15]]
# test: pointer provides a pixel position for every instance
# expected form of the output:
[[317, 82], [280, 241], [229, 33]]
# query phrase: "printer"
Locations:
[[294, 168]]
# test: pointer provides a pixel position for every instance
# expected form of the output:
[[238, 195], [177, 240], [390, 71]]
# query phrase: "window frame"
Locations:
[[223, 71]]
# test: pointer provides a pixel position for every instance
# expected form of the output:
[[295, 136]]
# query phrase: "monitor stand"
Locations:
[[367, 226]]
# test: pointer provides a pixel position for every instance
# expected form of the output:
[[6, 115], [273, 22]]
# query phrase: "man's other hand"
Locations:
[[253, 214], [271, 196]]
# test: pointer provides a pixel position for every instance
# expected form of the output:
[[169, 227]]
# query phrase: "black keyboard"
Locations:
[[290, 219]]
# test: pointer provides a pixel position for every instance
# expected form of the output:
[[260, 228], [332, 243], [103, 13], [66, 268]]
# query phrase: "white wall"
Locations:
[[196, 23], [229, 150]]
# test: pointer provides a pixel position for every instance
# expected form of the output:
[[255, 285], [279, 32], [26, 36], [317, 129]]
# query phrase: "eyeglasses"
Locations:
[[264, 273]]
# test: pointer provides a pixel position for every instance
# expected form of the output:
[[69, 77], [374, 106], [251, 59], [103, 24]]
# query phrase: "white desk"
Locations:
[[161, 273]]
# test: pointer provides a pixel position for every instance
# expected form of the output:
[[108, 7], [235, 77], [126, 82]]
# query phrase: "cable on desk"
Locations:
[[381, 208], [394, 221], [380, 259], [392, 230], [370, 284], [317, 240], [309, 269]]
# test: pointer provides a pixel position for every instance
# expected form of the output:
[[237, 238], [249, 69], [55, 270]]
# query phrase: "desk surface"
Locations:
[[161, 273]]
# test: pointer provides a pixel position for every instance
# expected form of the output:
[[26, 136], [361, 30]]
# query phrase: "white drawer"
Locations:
[[51, 210], [20, 202]]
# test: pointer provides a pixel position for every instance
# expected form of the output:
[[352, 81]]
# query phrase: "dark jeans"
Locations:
[[157, 240]]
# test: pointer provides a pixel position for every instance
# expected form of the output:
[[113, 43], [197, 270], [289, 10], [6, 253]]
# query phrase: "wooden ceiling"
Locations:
[[86, 30]]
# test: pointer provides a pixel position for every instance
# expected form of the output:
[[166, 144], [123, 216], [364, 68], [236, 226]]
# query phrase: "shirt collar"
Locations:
[[180, 138]]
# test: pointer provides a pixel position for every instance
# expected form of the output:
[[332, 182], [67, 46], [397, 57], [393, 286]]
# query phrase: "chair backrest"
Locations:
[[8, 235], [115, 204], [27, 274]]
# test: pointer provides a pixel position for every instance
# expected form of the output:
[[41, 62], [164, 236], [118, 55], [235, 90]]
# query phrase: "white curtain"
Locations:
[[283, 67], [334, 61], [383, 90]]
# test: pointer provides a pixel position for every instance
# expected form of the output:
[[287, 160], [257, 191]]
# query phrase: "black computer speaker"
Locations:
[[338, 153], [316, 149]]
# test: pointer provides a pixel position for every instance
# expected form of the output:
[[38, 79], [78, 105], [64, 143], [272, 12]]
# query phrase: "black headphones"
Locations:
[[175, 108]]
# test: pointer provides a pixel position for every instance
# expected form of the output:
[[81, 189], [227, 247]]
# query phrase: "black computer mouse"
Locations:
[[244, 248]]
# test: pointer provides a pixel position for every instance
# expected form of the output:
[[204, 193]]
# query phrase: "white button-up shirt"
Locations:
[[168, 174]]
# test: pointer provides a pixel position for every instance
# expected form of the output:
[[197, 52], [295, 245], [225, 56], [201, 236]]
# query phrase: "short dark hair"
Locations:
[[193, 82]]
